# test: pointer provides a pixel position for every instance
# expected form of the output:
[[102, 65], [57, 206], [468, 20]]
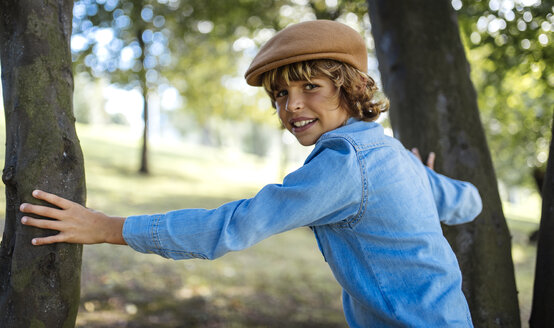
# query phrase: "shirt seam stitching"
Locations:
[[353, 142], [166, 252], [349, 222], [155, 234]]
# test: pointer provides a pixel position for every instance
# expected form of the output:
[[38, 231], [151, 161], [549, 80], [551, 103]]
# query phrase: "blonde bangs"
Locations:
[[276, 78]]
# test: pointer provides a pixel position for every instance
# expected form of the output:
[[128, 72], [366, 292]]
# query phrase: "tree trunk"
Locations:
[[39, 285], [144, 87], [434, 107], [542, 310]]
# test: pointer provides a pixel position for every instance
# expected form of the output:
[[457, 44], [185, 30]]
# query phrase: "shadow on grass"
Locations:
[[280, 282], [164, 311]]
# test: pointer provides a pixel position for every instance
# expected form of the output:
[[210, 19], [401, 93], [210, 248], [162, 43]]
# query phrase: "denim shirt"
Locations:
[[375, 211]]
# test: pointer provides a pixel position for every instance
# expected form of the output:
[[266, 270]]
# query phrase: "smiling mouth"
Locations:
[[301, 124]]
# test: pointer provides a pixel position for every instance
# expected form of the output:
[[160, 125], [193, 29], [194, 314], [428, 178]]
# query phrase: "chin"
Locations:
[[306, 142]]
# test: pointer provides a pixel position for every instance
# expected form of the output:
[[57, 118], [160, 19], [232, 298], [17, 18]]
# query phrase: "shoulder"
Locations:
[[376, 152], [361, 136], [333, 163], [336, 152], [337, 145]]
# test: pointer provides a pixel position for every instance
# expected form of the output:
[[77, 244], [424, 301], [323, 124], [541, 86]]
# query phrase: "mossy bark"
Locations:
[[39, 285], [434, 107], [542, 310]]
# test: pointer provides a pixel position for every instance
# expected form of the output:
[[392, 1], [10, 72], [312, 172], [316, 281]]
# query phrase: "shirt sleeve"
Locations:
[[325, 190], [457, 201]]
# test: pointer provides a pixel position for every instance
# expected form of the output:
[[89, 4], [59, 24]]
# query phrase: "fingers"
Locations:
[[52, 199], [431, 160], [40, 223], [44, 224], [48, 240], [415, 151], [46, 211], [41, 210]]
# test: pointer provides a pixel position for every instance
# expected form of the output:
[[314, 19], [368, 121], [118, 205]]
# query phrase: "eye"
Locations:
[[281, 93], [310, 86]]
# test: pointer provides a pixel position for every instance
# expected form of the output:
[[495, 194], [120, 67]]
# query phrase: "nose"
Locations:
[[294, 102]]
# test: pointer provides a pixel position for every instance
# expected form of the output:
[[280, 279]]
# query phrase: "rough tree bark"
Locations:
[[542, 310], [434, 107], [39, 285]]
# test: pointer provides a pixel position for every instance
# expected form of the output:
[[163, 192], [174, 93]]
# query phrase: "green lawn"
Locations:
[[281, 282]]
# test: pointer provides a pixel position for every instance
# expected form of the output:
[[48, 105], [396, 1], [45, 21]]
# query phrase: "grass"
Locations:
[[280, 282]]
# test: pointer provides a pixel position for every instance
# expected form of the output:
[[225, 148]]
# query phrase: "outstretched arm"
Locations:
[[457, 201], [75, 223]]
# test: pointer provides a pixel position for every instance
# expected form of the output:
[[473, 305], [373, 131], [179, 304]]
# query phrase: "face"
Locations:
[[309, 109]]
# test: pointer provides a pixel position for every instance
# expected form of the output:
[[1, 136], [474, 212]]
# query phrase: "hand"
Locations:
[[75, 223], [430, 159]]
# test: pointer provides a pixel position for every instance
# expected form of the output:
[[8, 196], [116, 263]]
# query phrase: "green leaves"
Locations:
[[509, 48]]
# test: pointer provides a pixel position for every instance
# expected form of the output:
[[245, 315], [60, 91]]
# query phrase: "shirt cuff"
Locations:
[[140, 232]]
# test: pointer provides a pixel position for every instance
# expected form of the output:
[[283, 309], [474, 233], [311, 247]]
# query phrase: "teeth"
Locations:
[[300, 124]]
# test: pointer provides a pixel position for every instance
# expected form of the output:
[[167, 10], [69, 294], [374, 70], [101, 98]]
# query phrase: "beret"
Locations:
[[319, 39]]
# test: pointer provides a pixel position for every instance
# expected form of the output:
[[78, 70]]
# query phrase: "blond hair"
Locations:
[[357, 89]]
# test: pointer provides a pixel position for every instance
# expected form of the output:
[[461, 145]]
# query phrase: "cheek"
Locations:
[[282, 117], [327, 100]]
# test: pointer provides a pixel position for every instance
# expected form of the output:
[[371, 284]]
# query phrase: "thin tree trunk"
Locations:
[[434, 107], [144, 86], [39, 285], [542, 311]]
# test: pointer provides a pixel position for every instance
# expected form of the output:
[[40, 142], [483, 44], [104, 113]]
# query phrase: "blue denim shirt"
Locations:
[[375, 211]]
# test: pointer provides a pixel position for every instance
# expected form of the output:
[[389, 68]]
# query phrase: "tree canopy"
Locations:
[[201, 48], [511, 55]]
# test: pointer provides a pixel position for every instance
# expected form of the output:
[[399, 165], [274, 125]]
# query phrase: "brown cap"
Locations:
[[319, 39]]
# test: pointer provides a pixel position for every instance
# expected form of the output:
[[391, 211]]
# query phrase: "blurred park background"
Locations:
[[212, 139]]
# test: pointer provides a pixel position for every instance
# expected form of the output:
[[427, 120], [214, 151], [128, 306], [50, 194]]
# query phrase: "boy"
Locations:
[[374, 208]]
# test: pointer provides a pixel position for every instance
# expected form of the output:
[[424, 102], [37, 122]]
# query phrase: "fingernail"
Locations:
[[22, 207], [35, 193], [34, 241], [24, 219]]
